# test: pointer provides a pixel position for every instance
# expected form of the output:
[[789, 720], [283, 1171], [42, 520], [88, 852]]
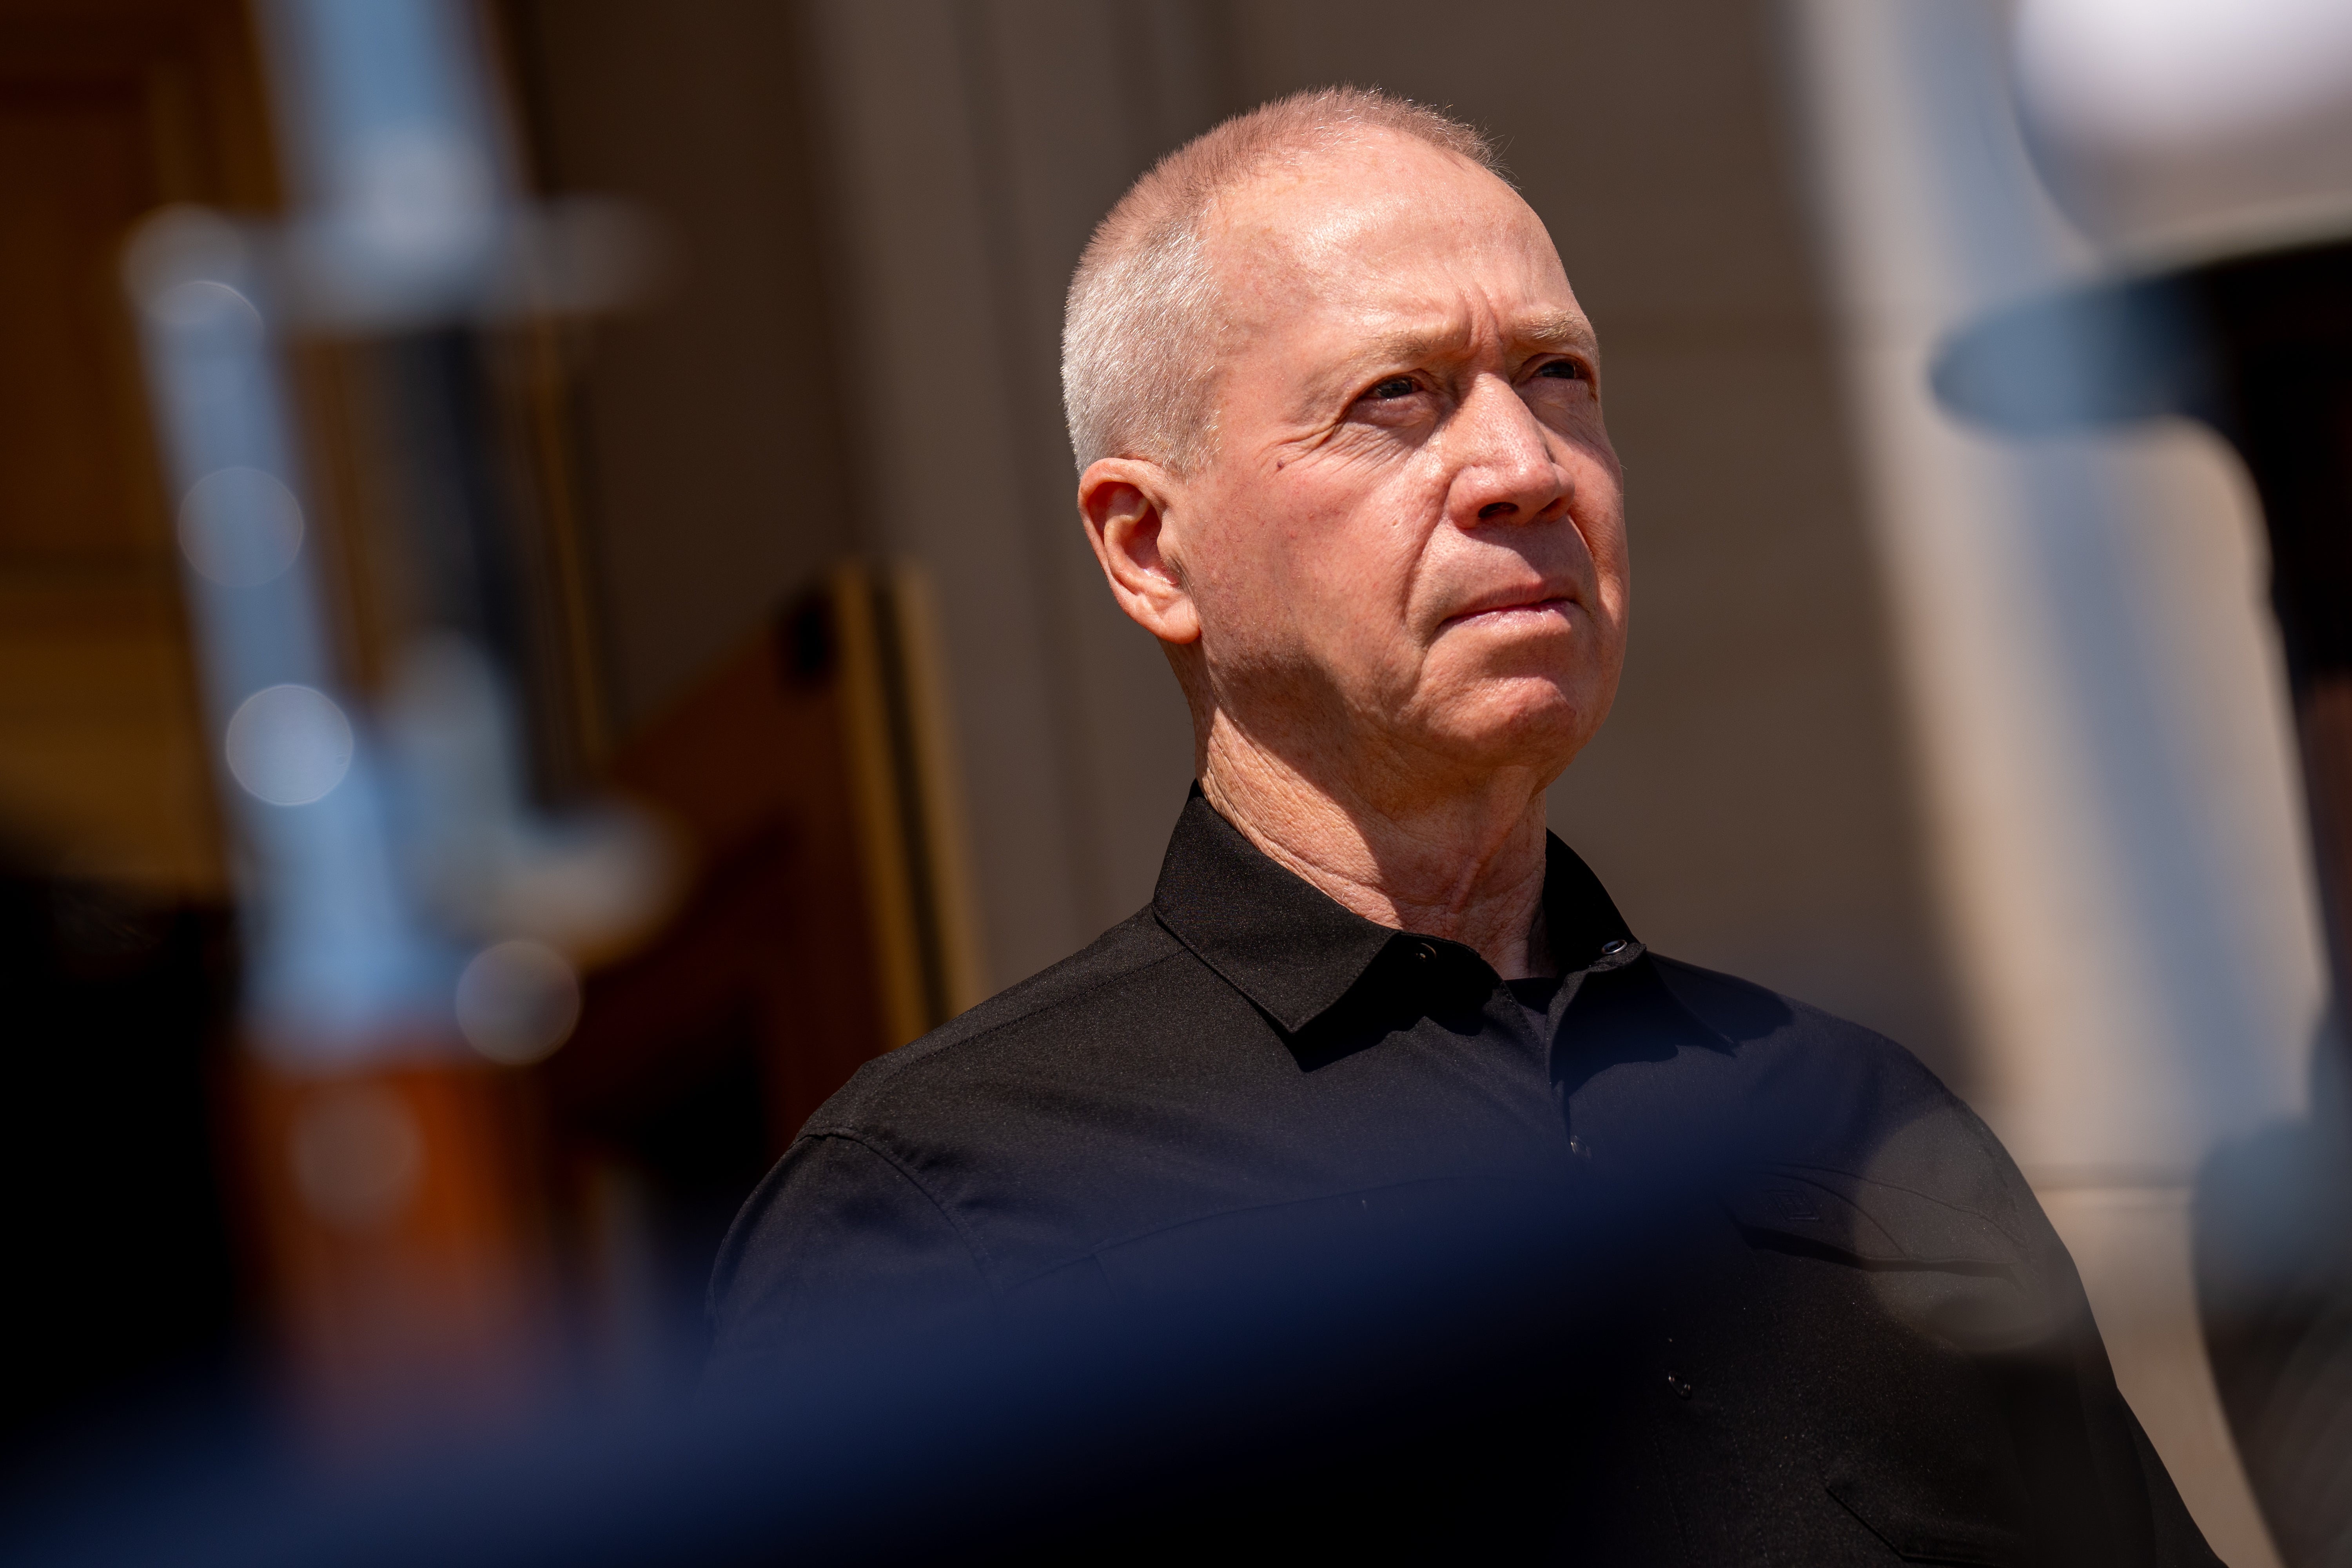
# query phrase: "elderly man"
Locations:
[[1338, 420]]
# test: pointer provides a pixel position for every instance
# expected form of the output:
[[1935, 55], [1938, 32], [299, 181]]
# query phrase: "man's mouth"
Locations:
[[1537, 603]]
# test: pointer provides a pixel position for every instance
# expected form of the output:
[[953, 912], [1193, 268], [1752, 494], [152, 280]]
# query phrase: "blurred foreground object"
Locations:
[[2260, 347], [492, 1114], [406, 913], [2109, 777], [1470, 1368], [2208, 148], [2192, 127]]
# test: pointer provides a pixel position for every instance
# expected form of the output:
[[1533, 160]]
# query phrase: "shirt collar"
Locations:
[[1294, 950]]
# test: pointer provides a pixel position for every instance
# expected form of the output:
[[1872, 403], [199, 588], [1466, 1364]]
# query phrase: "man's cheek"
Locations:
[[1372, 574]]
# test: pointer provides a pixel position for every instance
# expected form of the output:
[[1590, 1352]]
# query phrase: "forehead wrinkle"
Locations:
[[1270, 264], [1457, 337]]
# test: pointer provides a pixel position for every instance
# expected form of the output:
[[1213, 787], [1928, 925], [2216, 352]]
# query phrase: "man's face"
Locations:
[[1408, 550]]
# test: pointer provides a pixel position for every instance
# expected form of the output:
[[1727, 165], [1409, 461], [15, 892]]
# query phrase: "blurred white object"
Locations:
[[411, 214], [484, 862], [288, 744], [399, 147], [240, 527], [2172, 128], [517, 1001], [2182, 71]]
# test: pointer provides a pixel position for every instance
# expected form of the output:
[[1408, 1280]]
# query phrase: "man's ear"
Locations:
[[1125, 504]]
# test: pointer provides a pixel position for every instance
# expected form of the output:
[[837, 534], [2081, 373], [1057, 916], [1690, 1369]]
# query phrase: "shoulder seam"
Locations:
[[979, 1256]]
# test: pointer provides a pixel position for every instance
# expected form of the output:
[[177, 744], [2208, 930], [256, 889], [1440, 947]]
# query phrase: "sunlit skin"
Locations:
[[1396, 591]]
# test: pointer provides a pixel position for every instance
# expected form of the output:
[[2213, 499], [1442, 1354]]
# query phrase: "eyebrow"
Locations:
[[1560, 330], [1552, 330]]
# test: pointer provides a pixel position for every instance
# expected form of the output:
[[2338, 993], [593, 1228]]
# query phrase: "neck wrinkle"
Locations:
[[1469, 868]]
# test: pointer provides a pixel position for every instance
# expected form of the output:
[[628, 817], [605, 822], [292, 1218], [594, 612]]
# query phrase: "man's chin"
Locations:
[[1525, 724]]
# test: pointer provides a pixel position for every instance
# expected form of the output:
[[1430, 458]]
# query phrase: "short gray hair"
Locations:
[[1138, 361]]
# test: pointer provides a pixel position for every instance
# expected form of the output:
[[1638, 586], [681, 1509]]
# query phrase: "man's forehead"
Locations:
[[1320, 206], [1396, 236]]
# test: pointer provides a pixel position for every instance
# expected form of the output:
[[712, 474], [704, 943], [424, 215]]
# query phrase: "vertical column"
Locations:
[[2096, 705]]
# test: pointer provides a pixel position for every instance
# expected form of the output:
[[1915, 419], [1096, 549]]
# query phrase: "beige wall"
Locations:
[[710, 433], [910, 180]]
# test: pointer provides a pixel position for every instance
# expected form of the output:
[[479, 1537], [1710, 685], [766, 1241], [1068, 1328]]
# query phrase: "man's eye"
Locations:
[[1563, 370], [1395, 386]]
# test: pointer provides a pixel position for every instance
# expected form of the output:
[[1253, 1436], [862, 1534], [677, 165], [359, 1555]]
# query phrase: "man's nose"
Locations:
[[1506, 470]]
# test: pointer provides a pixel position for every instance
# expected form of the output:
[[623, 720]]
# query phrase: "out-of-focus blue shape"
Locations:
[[409, 215], [370, 868], [394, 140], [338, 965], [2254, 345], [2092, 356]]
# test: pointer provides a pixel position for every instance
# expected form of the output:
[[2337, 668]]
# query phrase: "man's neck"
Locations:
[[1467, 865]]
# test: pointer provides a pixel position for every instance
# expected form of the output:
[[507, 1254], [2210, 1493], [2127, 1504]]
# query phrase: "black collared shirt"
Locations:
[[1871, 1343]]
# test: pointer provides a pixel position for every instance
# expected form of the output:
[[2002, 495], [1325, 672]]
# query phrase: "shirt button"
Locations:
[[1611, 949], [1423, 952]]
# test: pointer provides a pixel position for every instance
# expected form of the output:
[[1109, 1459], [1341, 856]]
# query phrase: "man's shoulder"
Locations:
[[1850, 1100], [1749, 1015], [1037, 1011]]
